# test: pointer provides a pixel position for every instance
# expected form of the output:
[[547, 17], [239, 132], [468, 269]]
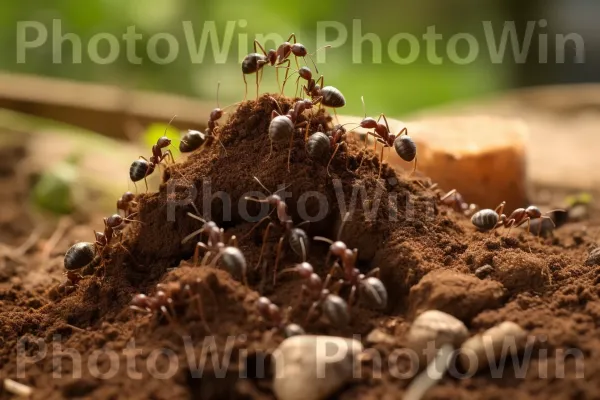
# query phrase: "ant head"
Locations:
[[339, 129], [262, 305], [533, 212], [163, 142], [216, 114], [128, 196], [305, 73], [114, 220], [368, 123], [299, 50]]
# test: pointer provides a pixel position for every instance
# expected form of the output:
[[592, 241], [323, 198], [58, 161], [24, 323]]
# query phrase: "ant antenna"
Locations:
[[191, 235], [313, 61], [260, 183], [339, 235], [362, 98], [169, 125], [278, 106]]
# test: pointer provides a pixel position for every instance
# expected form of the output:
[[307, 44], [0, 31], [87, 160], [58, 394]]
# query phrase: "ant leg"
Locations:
[[287, 71], [414, 168], [334, 113], [264, 244], [311, 311], [259, 45], [331, 159], [200, 308], [290, 151], [334, 268], [292, 36], [279, 247], [373, 272], [233, 241], [246, 85], [257, 86], [380, 162], [199, 246], [352, 296], [500, 209]]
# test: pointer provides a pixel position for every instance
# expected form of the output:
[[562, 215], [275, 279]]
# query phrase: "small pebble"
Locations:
[[437, 327], [484, 271], [313, 367], [475, 353], [593, 257]]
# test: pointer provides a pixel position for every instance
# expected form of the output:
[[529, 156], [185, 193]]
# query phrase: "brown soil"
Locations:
[[543, 285]]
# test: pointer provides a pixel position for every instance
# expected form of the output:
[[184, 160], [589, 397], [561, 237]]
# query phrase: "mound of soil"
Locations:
[[428, 257]]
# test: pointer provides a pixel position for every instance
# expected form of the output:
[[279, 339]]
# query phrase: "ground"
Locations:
[[429, 256]]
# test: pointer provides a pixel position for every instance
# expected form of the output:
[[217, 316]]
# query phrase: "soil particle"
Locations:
[[462, 296]]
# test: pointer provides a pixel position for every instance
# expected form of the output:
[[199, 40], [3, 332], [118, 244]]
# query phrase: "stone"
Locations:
[[463, 296], [437, 328], [477, 352], [311, 367]]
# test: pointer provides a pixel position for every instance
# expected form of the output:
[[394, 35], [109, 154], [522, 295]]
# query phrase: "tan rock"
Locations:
[[479, 351], [313, 367]]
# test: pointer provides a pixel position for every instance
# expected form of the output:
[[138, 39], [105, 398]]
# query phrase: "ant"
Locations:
[[372, 287], [126, 203], [487, 219], [319, 144], [297, 238], [254, 62], [403, 144], [89, 255], [68, 286], [333, 306], [283, 126], [456, 201], [194, 140], [171, 296], [327, 96], [272, 313], [143, 167], [232, 257]]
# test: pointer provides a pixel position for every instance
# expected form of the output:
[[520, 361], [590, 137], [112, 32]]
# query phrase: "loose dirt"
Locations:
[[427, 254]]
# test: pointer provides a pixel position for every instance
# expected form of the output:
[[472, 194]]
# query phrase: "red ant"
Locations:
[[371, 286], [319, 144], [232, 257], [171, 296], [327, 96], [126, 203], [142, 167], [68, 286], [402, 143], [297, 238], [456, 201], [283, 126], [254, 62], [272, 313], [194, 140], [330, 304]]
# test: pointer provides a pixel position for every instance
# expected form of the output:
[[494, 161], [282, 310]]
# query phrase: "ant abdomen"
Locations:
[[299, 241], [336, 310], [253, 62], [281, 128], [140, 169], [318, 146], [332, 97], [234, 260], [374, 292], [79, 255], [485, 219], [191, 141], [405, 147]]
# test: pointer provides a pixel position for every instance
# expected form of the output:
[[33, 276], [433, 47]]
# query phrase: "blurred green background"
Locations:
[[387, 86]]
